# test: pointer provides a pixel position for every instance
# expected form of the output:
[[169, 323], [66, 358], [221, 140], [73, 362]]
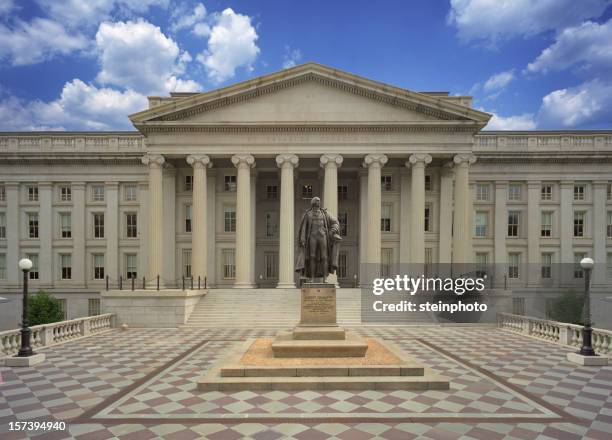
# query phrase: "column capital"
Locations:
[[287, 160], [464, 159], [153, 160], [375, 160], [331, 160], [418, 159], [199, 161], [243, 161]]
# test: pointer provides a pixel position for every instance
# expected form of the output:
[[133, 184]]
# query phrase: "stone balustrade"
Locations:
[[46, 335], [534, 142], [66, 142], [557, 332]]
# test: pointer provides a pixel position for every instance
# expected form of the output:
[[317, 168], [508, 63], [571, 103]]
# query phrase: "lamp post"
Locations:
[[587, 332], [26, 350]]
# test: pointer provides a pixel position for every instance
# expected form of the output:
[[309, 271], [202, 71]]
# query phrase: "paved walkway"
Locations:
[[140, 384]]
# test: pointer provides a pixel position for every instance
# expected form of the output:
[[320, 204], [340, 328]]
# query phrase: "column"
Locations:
[[13, 233], [599, 232], [374, 164], [212, 229], [199, 214], [462, 251], [363, 225], [533, 233], [45, 234], [330, 163], [286, 162], [155, 217], [404, 214], [112, 228], [79, 258], [169, 268], [446, 214], [417, 163], [243, 163], [501, 232]]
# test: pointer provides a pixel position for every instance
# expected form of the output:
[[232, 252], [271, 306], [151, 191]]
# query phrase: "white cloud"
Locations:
[[36, 41], [499, 81], [182, 19], [589, 44], [6, 6], [231, 45], [138, 56], [519, 122], [291, 57], [493, 20]]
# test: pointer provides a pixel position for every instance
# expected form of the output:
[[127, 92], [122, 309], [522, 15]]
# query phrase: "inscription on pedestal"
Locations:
[[318, 305]]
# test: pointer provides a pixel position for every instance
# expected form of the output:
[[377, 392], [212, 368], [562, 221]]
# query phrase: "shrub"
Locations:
[[43, 309], [567, 308]]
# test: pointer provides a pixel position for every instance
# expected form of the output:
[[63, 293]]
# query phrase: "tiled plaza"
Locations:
[[141, 384]]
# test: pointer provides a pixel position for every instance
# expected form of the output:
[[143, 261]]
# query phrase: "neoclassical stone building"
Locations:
[[212, 185]]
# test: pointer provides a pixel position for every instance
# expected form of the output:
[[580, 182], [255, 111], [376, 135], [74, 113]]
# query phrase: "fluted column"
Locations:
[[286, 162], [330, 163], [199, 214], [417, 163], [374, 164], [243, 163], [156, 215], [462, 252]]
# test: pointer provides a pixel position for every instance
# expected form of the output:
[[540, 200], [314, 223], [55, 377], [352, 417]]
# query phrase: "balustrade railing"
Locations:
[[557, 332], [46, 335]]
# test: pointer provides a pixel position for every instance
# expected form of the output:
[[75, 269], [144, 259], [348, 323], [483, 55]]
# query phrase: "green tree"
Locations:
[[567, 308], [43, 309]]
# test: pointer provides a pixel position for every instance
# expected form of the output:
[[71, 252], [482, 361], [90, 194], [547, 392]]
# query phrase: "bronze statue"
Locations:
[[318, 238]]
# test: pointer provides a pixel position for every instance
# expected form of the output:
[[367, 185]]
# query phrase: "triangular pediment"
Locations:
[[308, 94]]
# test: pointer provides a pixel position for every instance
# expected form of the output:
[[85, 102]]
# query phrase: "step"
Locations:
[[238, 370]]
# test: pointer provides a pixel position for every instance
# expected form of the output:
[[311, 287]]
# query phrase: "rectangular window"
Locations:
[[342, 192], [229, 219], [514, 192], [98, 266], [32, 193], [131, 225], [3, 193], [579, 192], [272, 192], [514, 260], [33, 225], [480, 224], [428, 182], [427, 218], [386, 260], [2, 266], [342, 265], [518, 306], [271, 224], [385, 218], [546, 192], [63, 305], [307, 191], [97, 193], [229, 183], [130, 266], [66, 262], [578, 271], [579, 223], [482, 259], [271, 264], [187, 218], [483, 192], [187, 263], [65, 225], [343, 221], [546, 270], [229, 264], [608, 225], [65, 194], [188, 186], [546, 224], [386, 183], [33, 274], [129, 193], [513, 223], [2, 225], [93, 306], [98, 224]]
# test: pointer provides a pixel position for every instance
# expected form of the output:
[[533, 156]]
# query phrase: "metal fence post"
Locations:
[[183, 282], [120, 282], [199, 282], [192, 282]]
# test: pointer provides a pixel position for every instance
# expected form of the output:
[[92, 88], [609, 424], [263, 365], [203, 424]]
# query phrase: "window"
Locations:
[[342, 192], [546, 270], [518, 306], [187, 263], [427, 182], [2, 266], [514, 192], [579, 224], [342, 265], [229, 219], [98, 223], [514, 259], [33, 274], [32, 193], [271, 224], [63, 308], [578, 271], [66, 264], [386, 259], [386, 183], [480, 224], [98, 266], [230, 183], [272, 192], [513, 223], [130, 266], [65, 225], [229, 264], [546, 224], [129, 193], [33, 225], [427, 219], [131, 225], [385, 218], [2, 225], [97, 193], [546, 192], [187, 218], [608, 225], [3, 193], [188, 186], [343, 221], [482, 259], [307, 191], [271, 264], [579, 192], [65, 194], [482, 192], [93, 306]]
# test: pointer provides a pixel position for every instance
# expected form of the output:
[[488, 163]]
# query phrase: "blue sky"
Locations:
[[87, 64]]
